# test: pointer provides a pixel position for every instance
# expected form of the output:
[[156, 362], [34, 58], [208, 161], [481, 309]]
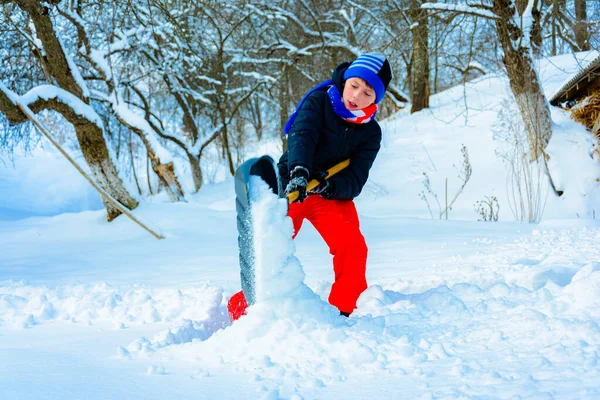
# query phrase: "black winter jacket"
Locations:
[[319, 139]]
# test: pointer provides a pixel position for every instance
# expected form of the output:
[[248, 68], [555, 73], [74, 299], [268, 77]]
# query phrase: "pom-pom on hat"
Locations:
[[375, 69]]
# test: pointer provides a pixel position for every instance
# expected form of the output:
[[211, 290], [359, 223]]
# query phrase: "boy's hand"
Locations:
[[298, 182], [326, 188]]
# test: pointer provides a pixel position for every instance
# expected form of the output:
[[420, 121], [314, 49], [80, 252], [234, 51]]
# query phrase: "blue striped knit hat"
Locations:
[[375, 69]]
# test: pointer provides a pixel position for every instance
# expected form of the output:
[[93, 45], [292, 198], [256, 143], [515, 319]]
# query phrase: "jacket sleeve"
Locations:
[[350, 181], [304, 134]]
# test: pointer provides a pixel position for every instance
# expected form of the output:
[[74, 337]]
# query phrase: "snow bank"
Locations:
[[444, 333], [43, 184], [24, 306]]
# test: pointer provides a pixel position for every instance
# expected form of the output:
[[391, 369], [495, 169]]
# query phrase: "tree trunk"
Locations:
[[165, 172], [227, 149], [148, 175], [166, 175], [190, 127], [196, 171], [553, 36], [57, 63], [420, 64], [257, 118], [581, 30], [524, 82], [283, 106], [222, 99], [558, 7], [525, 87], [95, 152], [90, 137], [436, 67], [536, 31], [523, 79]]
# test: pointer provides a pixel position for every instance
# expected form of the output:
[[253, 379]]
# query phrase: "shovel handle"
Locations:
[[314, 183]]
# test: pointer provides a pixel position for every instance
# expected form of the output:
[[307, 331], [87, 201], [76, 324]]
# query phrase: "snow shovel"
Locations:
[[266, 168], [314, 183]]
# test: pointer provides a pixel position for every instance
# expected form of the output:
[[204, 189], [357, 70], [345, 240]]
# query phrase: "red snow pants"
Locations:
[[337, 223]]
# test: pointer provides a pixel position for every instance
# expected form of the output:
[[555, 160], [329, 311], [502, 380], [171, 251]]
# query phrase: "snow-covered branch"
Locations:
[[51, 92], [135, 123], [484, 12], [256, 75], [369, 11], [49, 97], [211, 135]]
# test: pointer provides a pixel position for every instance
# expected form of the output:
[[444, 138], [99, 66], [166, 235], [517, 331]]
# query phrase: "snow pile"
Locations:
[[582, 295], [23, 306], [442, 334], [279, 275], [285, 305]]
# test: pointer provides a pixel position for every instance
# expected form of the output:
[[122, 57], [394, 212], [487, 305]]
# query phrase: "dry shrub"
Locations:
[[587, 111], [526, 182]]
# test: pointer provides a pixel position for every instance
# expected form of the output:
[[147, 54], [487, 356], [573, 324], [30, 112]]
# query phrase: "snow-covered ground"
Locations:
[[456, 308]]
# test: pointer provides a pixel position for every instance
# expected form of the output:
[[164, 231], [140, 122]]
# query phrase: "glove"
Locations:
[[298, 182], [326, 188]]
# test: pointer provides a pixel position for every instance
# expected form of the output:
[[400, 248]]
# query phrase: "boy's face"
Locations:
[[357, 94]]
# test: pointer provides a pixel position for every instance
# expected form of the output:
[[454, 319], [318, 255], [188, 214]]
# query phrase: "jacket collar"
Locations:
[[338, 76]]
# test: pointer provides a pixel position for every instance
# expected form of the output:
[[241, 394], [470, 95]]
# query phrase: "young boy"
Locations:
[[333, 122], [327, 128]]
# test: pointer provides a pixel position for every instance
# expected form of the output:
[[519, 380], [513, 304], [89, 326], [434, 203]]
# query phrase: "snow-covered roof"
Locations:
[[576, 86]]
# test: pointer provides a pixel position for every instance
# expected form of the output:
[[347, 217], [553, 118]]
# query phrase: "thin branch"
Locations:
[[475, 10]]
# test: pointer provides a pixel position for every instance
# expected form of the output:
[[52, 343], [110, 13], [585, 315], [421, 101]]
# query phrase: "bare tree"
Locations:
[[192, 80], [68, 97], [566, 24], [516, 38], [530, 21], [100, 60], [517, 33], [554, 19], [420, 57], [213, 76], [581, 25]]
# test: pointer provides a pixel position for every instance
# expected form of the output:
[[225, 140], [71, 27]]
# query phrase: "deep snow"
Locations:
[[455, 309]]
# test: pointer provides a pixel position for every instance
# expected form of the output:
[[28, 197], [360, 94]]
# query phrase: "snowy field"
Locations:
[[456, 309]]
